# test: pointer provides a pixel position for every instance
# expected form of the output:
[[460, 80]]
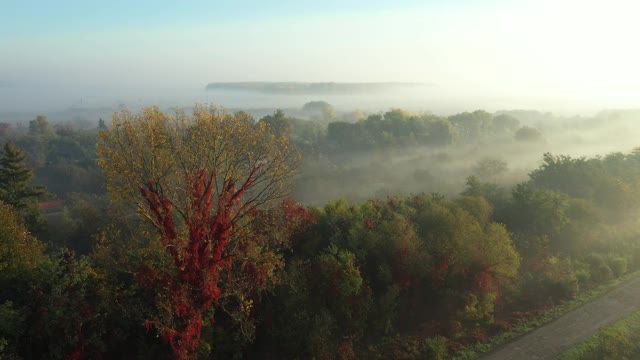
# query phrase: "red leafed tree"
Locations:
[[199, 259], [206, 183]]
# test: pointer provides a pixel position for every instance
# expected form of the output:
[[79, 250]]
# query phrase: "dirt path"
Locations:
[[552, 339]]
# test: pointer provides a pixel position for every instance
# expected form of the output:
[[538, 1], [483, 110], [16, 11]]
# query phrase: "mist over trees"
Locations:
[[328, 234]]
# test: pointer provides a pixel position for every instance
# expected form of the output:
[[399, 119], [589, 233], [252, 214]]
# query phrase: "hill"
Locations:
[[297, 88]]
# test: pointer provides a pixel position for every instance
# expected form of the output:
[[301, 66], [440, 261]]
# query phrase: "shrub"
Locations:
[[563, 288], [583, 276], [619, 266], [594, 259], [399, 347], [479, 309], [617, 341], [613, 344], [635, 257], [602, 273], [435, 348]]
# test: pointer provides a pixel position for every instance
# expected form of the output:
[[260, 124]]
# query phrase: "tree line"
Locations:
[[396, 128]]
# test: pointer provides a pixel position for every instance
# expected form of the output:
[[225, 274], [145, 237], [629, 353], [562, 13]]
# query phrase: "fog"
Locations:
[[403, 171], [577, 128], [23, 102], [562, 56]]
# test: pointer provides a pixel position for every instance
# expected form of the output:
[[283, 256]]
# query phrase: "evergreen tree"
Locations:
[[15, 185]]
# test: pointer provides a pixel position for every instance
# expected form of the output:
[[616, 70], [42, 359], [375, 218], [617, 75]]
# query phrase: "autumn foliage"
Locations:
[[203, 254], [203, 182], [199, 260]]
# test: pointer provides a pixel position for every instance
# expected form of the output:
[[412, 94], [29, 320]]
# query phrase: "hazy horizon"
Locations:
[[565, 56]]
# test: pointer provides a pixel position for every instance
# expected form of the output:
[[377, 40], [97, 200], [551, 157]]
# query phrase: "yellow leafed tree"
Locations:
[[200, 179], [170, 149], [19, 251]]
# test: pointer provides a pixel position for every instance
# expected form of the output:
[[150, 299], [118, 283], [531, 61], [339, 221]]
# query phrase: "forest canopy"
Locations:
[[187, 235]]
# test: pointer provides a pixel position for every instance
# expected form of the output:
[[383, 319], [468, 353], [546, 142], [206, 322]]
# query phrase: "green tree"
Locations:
[[577, 177], [505, 123], [15, 184], [40, 127], [321, 108], [528, 134], [472, 126], [279, 124], [397, 115], [489, 168], [537, 214], [66, 322], [496, 195], [441, 132], [338, 275]]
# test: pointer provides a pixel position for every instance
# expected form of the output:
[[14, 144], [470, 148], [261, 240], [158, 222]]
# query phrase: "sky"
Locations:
[[564, 50]]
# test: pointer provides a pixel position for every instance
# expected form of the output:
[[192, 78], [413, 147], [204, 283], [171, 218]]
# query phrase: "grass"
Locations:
[[619, 340], [526, 326]]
